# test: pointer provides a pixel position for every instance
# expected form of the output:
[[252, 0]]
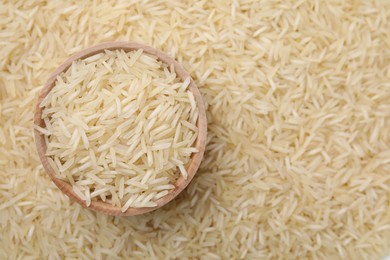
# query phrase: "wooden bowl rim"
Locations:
[[195, 159]]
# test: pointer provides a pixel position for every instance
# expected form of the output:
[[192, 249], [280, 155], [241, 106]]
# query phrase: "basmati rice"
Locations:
[[269, 72], [69, 107]]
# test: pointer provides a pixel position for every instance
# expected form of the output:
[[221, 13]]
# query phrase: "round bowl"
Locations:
[[195, 159]]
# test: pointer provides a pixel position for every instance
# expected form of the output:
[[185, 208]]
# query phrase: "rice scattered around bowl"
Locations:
[[120, 128], [297, 162]]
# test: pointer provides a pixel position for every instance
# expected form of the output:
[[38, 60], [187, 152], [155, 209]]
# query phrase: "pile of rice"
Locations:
[[298, 105], [119, 127]]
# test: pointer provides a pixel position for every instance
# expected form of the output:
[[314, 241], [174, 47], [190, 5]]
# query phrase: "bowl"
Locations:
[[195, 158]]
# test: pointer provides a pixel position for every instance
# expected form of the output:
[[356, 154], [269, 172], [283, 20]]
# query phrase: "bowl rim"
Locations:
[[200, 143]]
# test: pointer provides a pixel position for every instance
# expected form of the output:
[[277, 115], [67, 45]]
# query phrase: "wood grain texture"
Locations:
[[195, 159]]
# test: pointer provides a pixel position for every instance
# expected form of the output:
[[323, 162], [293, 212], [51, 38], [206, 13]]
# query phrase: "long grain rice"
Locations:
[[71, 106], [280, 178]]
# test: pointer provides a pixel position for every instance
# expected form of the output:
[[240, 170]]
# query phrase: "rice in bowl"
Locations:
[[120, 127]]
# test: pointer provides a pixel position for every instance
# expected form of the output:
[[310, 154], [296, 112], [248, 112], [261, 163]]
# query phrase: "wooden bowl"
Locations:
[[195, 159]]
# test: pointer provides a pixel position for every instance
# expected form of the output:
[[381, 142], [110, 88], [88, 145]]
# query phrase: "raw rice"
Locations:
[[298, 155], [71, 107]]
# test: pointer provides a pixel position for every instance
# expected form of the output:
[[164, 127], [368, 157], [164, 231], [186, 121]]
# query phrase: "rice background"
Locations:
[[298, 103]]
